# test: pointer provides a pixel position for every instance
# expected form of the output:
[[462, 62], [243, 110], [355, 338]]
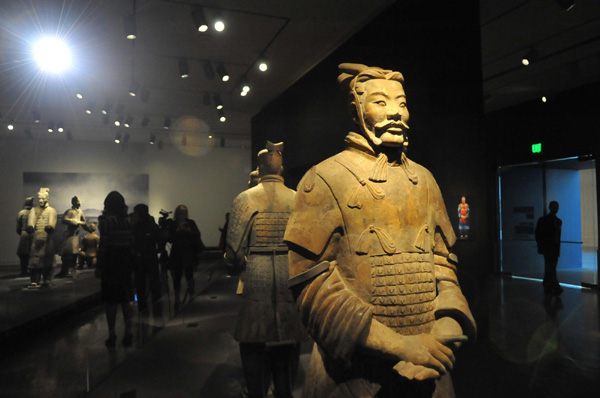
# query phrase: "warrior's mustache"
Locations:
[[388, 124]]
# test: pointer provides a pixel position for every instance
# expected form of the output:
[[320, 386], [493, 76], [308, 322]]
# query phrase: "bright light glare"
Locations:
[[263, 67], [202, 28], [219, 26], [52, 54], [544, 99], [222, 119], [225, 78], [11, 127], [525, 62]]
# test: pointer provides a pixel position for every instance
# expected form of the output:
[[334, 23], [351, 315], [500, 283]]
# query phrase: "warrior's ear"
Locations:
[[353, 111]]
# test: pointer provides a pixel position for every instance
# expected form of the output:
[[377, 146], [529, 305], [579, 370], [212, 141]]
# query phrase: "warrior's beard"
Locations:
[[391, 134]]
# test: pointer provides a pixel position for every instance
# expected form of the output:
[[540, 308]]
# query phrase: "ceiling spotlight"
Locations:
[[222, 117], [130, 28], [106, 108], [52, 54], [152, 139], [245, 88], [262, 64], [218, 101], [59, 127], [530, 56], [79, 96], [208, 70], [36, 116], [566, 4], [118, 121], [119, 109], [206, 99], [50, 127], [544, 99], [219, 23], [105, 119], [222, 72], [128, 121], [184, 70], [89, 108], [200, 20], [134, 88], [167, 123], [10, 126], [118, 138], [210, 137], [145, 121]]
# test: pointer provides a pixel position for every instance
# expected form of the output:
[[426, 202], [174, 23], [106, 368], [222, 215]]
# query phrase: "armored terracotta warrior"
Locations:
[[268, 327], [73, 218], [253, 178], [370, 260], [88, 252], [24, 247], [41, 223]]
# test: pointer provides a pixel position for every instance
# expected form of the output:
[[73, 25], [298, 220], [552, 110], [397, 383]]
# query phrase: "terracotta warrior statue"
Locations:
[[41, 223], [24, 247], [370, 260], [73, 218], [88, 251], [268, 328]]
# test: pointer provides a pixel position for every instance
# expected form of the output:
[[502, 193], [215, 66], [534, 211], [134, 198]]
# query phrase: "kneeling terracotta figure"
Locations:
[[370, 260]]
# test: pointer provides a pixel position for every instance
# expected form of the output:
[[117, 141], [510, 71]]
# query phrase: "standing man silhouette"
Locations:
[[547, 236]]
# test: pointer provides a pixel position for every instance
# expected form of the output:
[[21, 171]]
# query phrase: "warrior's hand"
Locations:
[[427, 352], [29, 230], [48, 229]]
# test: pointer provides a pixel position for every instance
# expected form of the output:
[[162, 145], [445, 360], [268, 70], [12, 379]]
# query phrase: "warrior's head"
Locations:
[[76, 202], [253, 178], [270, 159], [93, 227], [377, 103], [43, 197], [28, 202]]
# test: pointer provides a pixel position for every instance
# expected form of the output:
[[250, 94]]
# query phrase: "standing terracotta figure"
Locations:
[[24, 247], [463, 218], [268, 326], [89, 248], [370, 265], [41, 223], [73, 218]]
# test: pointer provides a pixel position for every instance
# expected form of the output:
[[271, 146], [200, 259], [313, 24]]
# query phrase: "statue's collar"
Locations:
[[271, 178]]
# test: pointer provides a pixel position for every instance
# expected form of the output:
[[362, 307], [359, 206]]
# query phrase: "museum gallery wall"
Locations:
[[439, 56], [206, 184]]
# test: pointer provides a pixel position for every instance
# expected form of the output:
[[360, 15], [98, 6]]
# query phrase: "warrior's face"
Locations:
[[76, 202], [463, 199], [384, 112], [43, 200]]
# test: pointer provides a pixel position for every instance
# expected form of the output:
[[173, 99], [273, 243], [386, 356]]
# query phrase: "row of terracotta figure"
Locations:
[[359, 257]]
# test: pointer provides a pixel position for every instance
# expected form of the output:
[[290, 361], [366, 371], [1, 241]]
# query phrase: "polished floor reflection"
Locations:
[[529, 345]]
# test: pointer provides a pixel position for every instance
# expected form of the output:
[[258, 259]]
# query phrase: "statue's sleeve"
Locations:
[[32, 218], [52, 217], [334, 315], [240, 223], [450, 301], [19, 223], [70, 217]]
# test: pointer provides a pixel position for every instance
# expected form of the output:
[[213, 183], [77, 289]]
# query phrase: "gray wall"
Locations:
[[206, 184]]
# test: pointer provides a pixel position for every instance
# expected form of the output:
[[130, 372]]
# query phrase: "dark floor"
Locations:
[[529, 346]]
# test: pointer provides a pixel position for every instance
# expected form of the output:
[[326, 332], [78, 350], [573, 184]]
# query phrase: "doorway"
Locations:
[[524, 192]]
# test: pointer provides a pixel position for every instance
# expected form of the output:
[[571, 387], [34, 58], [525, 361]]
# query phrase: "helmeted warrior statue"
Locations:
[[88, 253], [41, 223], [24, 247], [369, 240], [73, 218], [268, 327]]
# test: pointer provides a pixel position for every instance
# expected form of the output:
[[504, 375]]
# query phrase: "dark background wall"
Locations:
[[436, 46]]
